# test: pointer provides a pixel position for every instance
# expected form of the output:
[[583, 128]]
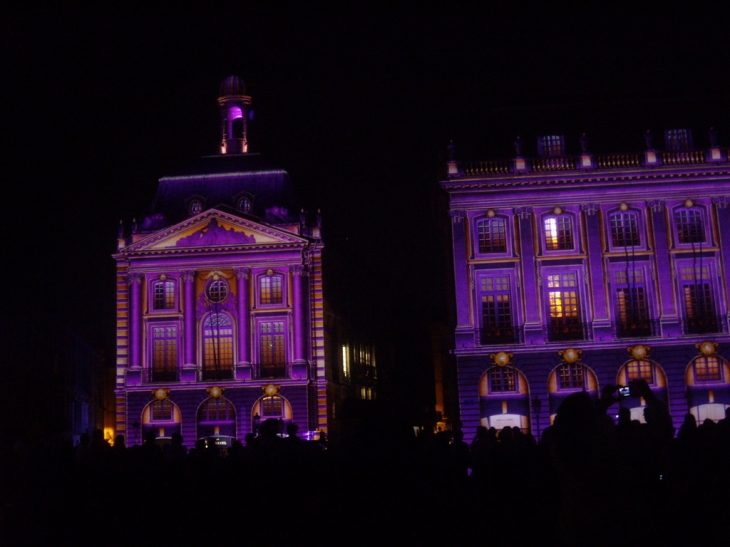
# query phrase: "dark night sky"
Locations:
[[356, 102]]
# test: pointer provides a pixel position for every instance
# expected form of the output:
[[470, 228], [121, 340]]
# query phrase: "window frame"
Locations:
[[151, 286], [507, 221], [151, 350], [704, 211], [680, 266], [640, 228], [575, 231], [720, 380], [259, 322], [223, 367], [584, 317], [479, 276], [649, 294], [284, 289]]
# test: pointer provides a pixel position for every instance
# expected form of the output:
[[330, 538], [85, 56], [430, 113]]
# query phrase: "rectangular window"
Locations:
[[571, 376], [678, 139], [345, 362], [625, 230], [272, 349], [641, 370], [492, 236], [551, 145], [163, 295], [164, 353], [564, 309], [558, 233], [272, 407], [707, 369], [162, 411], [689, 226], [271, 292], [632, 308], [502, 379], [497, 323]]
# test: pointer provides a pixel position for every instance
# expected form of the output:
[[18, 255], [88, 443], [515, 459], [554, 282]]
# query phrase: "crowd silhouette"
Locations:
[[590, 480]]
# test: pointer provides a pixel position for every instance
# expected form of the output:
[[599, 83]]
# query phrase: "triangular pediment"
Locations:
[[214, 228]]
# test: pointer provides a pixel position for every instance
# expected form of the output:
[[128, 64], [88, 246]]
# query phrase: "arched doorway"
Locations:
[[504, 399], [216, 417], [162, 417], [641, 368], [569, 378], [708, 384]]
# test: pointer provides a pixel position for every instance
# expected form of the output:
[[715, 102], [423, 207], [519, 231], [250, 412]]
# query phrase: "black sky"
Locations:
[[357, 102]]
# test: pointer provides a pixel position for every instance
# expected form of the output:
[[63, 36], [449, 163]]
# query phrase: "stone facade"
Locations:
[[574, 272]]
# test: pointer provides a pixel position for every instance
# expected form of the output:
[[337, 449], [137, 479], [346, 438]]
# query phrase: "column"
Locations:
[[534, 330], [299, 366], [243, 367], [664, 271], [464, 328], [189, 368], [597, 293], [134, 372]]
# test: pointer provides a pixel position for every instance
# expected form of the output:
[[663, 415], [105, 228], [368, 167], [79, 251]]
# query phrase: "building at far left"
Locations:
[[220, 321]]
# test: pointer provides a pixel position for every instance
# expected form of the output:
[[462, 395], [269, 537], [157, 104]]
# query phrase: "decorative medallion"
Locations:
[[638, 351], [502, 358], [491, 213], [624, 206], [269, 272], [163, 277], [707, 348], [270, 389], [161, 393], [570, 355], [558, 211], [689, 203], [215, 392]]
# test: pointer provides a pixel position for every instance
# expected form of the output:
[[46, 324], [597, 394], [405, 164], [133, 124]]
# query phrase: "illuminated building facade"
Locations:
[[219, 299], [573, 272]]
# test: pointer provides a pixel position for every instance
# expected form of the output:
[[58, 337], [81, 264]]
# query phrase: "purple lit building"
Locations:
[[220, 321], [573, 272]]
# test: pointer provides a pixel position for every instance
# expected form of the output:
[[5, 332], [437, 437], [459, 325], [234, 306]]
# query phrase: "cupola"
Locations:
[[235, 113]]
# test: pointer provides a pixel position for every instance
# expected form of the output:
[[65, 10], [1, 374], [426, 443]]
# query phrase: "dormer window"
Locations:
[[678, 139], [195, 207], [551, 145], [244, 205]]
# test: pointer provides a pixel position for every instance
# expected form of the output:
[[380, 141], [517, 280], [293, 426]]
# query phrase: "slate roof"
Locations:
[[220, 181]]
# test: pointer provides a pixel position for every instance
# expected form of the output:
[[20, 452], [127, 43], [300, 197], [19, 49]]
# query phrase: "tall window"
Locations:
[[699, 305], [632, 307], [558, 233], [502, 379], [492, 235], [164, 295], [689, 226], [571, 375], [218, 347], [497, 324], [564, 309], [164, 353], [625, 230], [272, 349], [271, 292], [345, 362]]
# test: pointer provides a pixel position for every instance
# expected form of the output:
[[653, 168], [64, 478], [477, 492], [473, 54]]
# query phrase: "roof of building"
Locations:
[[222, 181], [233, 85]]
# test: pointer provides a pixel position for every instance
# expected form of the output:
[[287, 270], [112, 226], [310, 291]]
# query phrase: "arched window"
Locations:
[[708, 387], [707, 369], [161, 417], [273, 407], [504, 398], [641, 369], [502, 379], [218, 347]]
